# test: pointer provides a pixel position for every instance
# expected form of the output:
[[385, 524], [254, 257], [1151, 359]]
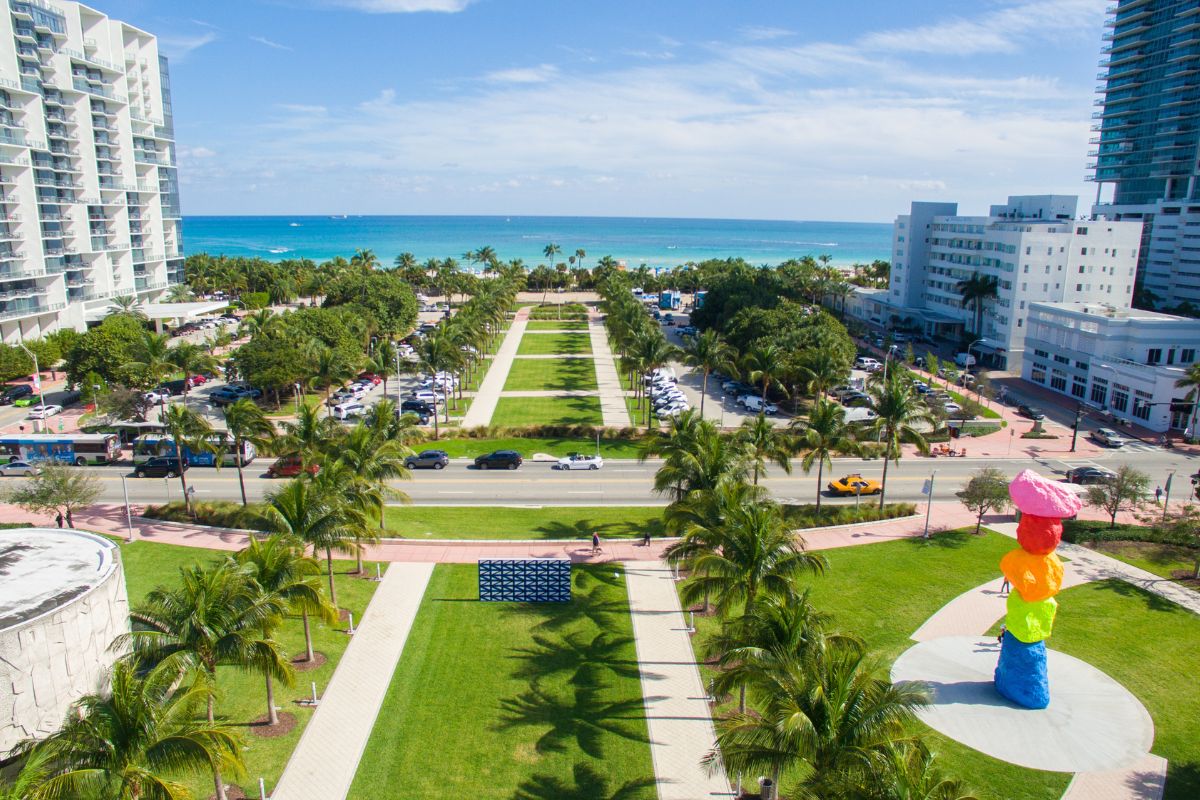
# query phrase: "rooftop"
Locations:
[[1112, 312], [44, 569]]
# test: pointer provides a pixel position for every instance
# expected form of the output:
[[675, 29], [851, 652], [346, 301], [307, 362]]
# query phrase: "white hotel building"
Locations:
[[89, 200], [1034, 247]]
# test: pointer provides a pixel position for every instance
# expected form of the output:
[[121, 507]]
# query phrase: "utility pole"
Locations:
[[1075, 427], [1167, 496], [928, 490]]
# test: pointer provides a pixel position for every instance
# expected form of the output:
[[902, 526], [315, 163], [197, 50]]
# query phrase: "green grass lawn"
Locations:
[[556, 325], [611, 522], [242, 696], [516, 411], [1164, 560], [638, 415], [469, 448], [508, 700], [543, 344], [551, 375], [884, 592]]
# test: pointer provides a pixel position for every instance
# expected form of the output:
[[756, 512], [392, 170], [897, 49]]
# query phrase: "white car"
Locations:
[[44, 412], [756, 404], [1109, 438], [580, 461], [21, 469], [952, 408], [428, 395], [348, 410], [671, 410], [154, 397]]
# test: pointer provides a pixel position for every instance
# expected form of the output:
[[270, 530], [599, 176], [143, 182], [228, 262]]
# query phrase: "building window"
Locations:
[[1083, 365], [1058, 380], [1154, 355], [1038, 373], [1187, 355], [1120, 400], [1099, 394], [1041, 353], [1141, 409], [1062, 359], [1078, 388]]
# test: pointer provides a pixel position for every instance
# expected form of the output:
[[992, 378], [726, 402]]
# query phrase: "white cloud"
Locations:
[[921, 186], [178, 48], [403, 6], [196, 152], [267, 42], [762, 33], [539, 74], [299, 108]]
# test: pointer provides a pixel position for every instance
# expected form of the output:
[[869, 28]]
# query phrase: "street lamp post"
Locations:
[[978, 395], [37, 373], [128, 514], [1167, 497]]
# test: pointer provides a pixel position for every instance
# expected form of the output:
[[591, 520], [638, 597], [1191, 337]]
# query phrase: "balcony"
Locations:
[[15, 139], [110, 185], [17, 310], [100, 91], [14, 255]]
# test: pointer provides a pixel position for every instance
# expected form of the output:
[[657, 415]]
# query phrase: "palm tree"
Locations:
[[824, 435], [549, 251], [764, 442], [188, 429], [1191, 382], [651, 350], [128, 305], [907, 770], [695, 457], [247, 422], [214, 618], [364, 258], [580, 254], [152, 355], [438, 353], [309, 436], [708, 353], [124, 742], [821, 368], [191, 359], [284, 572], [372, 461], [975, 291], [383, 362], [306, 510], [331, 367], [180, 293], [899, 410], [766, 363], [822, 713]]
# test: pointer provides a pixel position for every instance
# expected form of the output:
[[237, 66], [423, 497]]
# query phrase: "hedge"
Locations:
[[805, 516], [1078, 531], [564, 311], [217, 513]]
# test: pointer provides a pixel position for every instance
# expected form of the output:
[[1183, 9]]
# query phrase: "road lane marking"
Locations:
[[456, 493]]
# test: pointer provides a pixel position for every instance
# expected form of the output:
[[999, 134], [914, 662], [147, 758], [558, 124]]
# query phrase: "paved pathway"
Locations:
[[612, 395], [1144, 780], [323, 765], [488, 394], [677, 711]]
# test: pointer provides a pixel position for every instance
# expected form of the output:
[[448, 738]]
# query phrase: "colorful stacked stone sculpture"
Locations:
[[1036, 574]]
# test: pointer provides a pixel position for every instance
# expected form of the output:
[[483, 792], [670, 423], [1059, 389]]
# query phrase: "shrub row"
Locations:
[[1078, 531], [564, 311], [805, 516], [217, 513]]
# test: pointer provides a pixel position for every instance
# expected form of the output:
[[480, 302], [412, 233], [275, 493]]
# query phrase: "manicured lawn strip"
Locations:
[[469, 448], [556, 325], [638, 415], [551, 375], [611, 522], [1148, 645], [1164, 560], [883, 593], [548, 344], [516, 411], [513, 700], [242, 697]]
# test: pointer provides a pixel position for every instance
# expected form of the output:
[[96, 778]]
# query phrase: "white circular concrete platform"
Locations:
[[1092, 723]]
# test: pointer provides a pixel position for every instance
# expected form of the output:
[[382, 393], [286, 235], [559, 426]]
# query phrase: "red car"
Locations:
[[196, 380], [290, 467], [372, 377]]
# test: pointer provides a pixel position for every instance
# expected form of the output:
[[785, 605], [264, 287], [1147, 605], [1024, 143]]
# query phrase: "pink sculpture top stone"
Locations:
[[1036, 495]]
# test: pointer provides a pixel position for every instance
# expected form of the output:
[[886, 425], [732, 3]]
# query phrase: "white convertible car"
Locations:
[[580, 461]]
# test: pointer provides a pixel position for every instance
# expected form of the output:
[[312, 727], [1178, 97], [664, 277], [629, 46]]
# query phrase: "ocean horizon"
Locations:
[[658, 242]]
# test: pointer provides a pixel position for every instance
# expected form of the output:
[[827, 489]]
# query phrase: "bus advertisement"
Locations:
[[150, 445], [79, 448]]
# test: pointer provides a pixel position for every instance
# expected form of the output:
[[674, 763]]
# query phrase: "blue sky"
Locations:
[[704, 108]]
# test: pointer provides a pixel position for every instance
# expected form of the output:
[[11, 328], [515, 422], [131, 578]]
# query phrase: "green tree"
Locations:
[[246, 422], [129, 742], [986, 491], [765, 364], [214, 618], [708, 353], [309, 511], [151, 355], [188, 429], [438, 353], [825, 435], [764, 442], [191, 359], [976, 291], [906, 770], [372, 460], [127, 305], [309, 436], [899, 414], [695, 457], [331, 368], [1191, 382], [56, 489], [1125, 489]]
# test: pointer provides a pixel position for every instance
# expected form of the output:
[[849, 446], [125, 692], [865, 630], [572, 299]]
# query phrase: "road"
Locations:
[[630, 483]]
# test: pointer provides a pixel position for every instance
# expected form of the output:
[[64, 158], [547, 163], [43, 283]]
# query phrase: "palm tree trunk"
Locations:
[[883, 482], [703, 392], [820, 469], [329, 570], [272, 714], [241, 477], [308, 646], [217, 780]]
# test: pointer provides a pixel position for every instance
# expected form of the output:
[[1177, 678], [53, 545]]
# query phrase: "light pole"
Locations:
[[929, 504], [722, 412], [37, 373], [297, 388], [967, 367], [128, 515], [398, 401], [1167, 496]]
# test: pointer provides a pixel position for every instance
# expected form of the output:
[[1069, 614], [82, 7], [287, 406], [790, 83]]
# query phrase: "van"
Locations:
[[964, 360]]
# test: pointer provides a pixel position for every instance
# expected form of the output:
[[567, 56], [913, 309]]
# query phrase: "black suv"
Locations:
[[1033, 412], [501, 459], [13, 393], [428, 459], [418, 407], [161, 467]]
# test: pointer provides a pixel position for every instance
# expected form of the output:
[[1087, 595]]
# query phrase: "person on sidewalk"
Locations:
[[646, 538], [1005, 587], [595, 542], [1158, 493], [59, 519]]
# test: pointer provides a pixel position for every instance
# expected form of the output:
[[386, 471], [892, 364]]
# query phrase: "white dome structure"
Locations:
[[62, 602]]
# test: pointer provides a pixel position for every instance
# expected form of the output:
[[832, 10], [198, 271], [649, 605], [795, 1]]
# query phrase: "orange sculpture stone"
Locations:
[[1036, 577]]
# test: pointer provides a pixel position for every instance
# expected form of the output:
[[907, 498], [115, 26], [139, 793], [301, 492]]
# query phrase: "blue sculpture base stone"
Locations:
[[1021, 673]]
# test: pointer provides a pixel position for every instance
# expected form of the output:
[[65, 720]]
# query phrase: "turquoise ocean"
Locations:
[[656, 242]]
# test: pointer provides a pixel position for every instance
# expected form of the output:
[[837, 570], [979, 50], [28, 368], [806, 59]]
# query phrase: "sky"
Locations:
[[706, 108]]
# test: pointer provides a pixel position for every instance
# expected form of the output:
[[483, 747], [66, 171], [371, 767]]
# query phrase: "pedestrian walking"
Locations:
[[595, 542], [646, 538], [59, 519], [1005, 587], [1158, 495], [1000, 636]]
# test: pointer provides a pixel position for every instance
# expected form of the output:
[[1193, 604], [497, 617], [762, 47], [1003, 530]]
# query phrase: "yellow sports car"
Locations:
[[855, 484]]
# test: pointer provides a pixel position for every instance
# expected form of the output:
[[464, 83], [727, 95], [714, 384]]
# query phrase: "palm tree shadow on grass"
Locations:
[[583, 529], [579, 717], [572, 374], [946, 540], [577, 654], [587, 785], [1153, 602]]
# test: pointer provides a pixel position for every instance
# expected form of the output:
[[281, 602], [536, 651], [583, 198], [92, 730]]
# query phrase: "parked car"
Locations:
[[856, 399], [21, 469], [428, 396], [580, 461], [1109, 438], [346, 394], [952, 408], [1089, 475], [372, 377], [428, 459], [855, 484], [156, 396], [756, 405], [161, 467], [500, 459], [44, 412], [418, 407], [349, 409], [1033, 412], [866, 363], [290, 467], [193, 381]]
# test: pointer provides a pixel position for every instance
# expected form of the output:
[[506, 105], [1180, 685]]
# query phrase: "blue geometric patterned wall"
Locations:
[[525, 580]]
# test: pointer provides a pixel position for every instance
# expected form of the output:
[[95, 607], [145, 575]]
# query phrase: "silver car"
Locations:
[[21, 469]]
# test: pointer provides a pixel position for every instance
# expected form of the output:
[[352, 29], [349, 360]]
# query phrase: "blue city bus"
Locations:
[[149, 445], [74, 448]]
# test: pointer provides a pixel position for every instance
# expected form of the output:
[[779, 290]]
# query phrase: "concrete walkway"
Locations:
[[323, 765], [677, 711], [488, 394], [612, 395]]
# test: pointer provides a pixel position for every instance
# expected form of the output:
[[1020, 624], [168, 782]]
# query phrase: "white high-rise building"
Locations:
[[89, 198], [1034, 248]]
